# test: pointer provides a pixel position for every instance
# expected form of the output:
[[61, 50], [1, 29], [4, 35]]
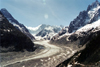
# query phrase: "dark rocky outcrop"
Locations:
[[16, 24], [12, 39]]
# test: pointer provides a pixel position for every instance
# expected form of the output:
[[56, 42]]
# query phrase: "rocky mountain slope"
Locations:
[[85, 34], [44, 31], [85, 17], [82, 24], [16, 24], [88, 57], [88, 16], [11, 39]]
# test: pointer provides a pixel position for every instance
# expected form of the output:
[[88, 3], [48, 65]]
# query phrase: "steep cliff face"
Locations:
[[88, 57], [84, 32], [84, 22], [11, 39], [16, 24], [91, 15]]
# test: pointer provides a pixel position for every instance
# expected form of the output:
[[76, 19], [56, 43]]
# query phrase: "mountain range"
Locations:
[[83, 31], [85, 21], [88, 16], [44, 31]]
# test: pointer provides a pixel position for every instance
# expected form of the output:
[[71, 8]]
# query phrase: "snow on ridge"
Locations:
[[17, 26], [49, 28], [66, 34], [33, 28], [93, 11], [89, 26]]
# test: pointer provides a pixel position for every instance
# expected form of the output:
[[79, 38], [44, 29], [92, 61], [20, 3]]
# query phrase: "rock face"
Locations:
[[84, 31], [90, 56], [86, 17], [61, 33], [85, 21], [16, 24], [12, 39], [44, 31]]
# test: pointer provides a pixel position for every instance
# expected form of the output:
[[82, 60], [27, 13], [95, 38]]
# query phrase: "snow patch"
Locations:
[[18, 26], [69, 66], [66, 34], [49, 28], [92, 12], [89, 26], [33, 28]]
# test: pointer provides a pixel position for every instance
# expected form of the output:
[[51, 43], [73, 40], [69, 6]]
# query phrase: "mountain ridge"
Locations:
[[44, 31], [85, 17], [12, 39], [16, 24], [85, 37]]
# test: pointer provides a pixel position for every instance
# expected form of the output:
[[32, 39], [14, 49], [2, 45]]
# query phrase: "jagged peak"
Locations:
[[96, 3], [93, 5]]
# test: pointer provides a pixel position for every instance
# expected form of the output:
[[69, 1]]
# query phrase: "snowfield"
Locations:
[[33, 28], [89, 27]]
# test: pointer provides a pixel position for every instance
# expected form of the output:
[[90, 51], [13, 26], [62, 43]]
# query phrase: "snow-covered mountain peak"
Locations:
[[34, 28], [91, 15], [93, 12], [93, 5], [96, 3], [44, 31]]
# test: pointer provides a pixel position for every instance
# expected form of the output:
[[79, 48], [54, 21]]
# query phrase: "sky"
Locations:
[[32, 13]]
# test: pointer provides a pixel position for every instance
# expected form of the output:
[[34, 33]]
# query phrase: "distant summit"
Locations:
[[44, 31]]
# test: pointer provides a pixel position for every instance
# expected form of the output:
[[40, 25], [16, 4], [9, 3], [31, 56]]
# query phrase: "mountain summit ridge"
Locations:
[[44, 31], [85, 17]]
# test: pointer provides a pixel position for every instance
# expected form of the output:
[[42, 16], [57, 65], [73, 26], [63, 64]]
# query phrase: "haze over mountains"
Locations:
[[82, 36], [44, 31]]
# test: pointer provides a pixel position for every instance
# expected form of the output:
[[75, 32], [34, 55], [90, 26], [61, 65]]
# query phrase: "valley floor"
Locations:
[[50, 56]]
